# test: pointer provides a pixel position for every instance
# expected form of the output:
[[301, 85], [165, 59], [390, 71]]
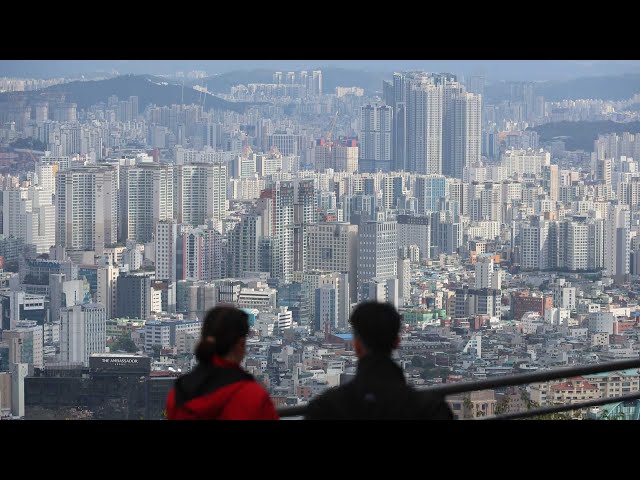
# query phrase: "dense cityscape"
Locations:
[[506, 236]]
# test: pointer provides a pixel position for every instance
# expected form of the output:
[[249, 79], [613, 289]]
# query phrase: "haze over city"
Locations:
[[494, 203]]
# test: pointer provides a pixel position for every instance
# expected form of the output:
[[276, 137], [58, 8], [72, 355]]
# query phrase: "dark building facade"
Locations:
[[134, 296], [114, 387]]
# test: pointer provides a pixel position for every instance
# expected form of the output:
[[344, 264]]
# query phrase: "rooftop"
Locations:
[[344, 336]]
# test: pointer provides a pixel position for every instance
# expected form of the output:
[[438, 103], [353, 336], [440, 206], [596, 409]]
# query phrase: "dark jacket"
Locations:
[[378, 391], [220, 391]]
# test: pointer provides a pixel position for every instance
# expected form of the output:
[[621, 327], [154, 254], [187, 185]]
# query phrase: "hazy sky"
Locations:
[[493, 69]]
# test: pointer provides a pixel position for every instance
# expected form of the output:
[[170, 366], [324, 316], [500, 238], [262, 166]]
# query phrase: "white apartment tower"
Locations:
[[617, 241], [333, 247], [376, 148], [201, 193], [83, 331], [87, 208], [166, 238], [487, 275], [147, 198], [377, 253]]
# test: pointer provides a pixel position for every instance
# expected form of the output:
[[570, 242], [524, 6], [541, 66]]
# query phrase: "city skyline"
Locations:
[[501, 220], [495, 70]]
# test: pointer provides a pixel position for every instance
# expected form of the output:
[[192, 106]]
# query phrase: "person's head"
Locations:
[[376, 328], [224, 334]]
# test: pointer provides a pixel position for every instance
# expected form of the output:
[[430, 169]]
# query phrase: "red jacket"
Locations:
[[222, 391]]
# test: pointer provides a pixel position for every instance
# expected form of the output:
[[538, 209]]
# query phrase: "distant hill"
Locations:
[[332, 77], [149, 90], [581, 135], [223, 82], [619, 87], [605, 88], [342, 77]]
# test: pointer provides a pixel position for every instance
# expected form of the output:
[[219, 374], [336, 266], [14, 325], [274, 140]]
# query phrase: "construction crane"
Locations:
[[333, 126]]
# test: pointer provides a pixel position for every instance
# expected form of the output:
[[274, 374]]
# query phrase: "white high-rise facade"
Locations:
[[201, 193], [282, 199], [487, 276], [463, 132], [377, 253], [436, 124], [333, 247], [376, 147], [87, 208], [534, 237], [83, 331], [617, 241], [147, 198], [424, 125], [166, 238], [28, 213], [107, 288]]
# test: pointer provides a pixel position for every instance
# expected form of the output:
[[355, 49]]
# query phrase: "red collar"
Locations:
[[221, 362]]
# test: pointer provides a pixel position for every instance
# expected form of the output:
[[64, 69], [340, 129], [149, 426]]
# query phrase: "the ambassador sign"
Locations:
[[120, 363]]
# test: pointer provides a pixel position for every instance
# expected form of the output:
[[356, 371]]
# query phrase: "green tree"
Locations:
[[468, 407], [125, 343], [502, 406]]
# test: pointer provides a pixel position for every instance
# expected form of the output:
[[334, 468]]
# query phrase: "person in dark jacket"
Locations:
[[218, 388], [379, 390]]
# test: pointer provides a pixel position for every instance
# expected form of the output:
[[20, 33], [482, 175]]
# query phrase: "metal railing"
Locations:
[[520, 379]]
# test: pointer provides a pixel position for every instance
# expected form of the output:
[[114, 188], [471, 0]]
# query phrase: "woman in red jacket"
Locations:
[[218, 388]]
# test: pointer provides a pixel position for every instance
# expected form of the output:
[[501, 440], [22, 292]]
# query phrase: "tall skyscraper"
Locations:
[[244, 245], [28, 214], [83, 331], [200, 193], [487, 276], [87, 208], [283, 198], [424, 125], [333, 247], [462, 133], [316, 82], [377, 253], [166, 238], [415, 230], [146, 198], [429, 189], [107, 289], [199, 254], [436, 124], [345, 156], [134, 296], [376, 135], [617, 240]]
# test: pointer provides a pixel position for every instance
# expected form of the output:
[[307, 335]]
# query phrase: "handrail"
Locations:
[[525, 378], [296, 411], [562, 408], [511, 380]]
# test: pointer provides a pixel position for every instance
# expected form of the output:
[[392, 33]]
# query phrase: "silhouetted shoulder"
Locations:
[[327, 406], [432, 407]]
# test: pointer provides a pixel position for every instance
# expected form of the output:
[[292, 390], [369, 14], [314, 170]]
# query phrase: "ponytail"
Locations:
[[222, 328], [205, 351]]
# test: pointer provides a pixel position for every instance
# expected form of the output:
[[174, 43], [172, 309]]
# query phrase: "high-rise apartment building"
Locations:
[[333, 247], [83, 331], [146, 198], [376, 135], [200, 193], [87, 208], [377, 253]]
